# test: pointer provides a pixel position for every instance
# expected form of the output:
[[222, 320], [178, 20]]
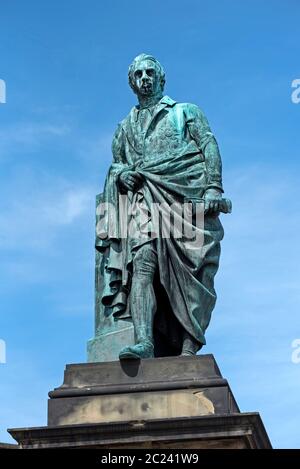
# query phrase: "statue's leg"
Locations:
[[142, 303], [190, 346], [206, 276]]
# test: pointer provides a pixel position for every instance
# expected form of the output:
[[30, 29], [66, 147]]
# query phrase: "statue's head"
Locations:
[[146, 76]]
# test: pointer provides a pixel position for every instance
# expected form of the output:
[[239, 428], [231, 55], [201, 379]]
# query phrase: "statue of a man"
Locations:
[[163, 153]]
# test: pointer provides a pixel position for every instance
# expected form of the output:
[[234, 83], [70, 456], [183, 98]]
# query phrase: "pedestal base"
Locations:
[[173, 402], [235, 431]]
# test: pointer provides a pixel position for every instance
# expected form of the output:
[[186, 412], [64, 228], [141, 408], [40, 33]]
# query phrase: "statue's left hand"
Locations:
[[212, 199], [130, 180]]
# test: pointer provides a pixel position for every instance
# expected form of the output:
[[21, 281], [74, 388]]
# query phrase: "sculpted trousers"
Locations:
[[142, 295], [143, 301]]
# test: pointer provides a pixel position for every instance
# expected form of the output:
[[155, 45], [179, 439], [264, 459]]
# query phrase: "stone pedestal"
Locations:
[[106, 347], [173, 402], [111, 334]]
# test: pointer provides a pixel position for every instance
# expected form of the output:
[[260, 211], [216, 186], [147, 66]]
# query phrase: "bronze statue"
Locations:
[[164, 155]]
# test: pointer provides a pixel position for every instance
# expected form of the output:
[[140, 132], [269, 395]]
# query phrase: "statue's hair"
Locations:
[[138, 59]]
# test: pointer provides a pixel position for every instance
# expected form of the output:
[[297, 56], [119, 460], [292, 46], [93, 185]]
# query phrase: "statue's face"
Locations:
[[146, 78]]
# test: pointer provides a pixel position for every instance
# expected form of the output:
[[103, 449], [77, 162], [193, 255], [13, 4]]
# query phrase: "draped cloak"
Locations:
[[170, 155]]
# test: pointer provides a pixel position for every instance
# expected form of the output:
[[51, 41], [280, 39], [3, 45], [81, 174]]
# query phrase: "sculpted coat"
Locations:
[[167, 145]]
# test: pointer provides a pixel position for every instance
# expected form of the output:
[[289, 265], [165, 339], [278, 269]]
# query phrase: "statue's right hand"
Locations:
[[130, 180]]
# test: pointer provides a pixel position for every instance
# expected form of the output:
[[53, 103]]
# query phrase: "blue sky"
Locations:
[[65, 67]]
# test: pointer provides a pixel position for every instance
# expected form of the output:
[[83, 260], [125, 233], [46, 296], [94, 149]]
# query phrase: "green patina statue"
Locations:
[[164, 155]]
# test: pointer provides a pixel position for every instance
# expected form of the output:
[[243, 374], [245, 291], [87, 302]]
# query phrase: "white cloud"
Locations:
[[66, 206], [35, 206], [16, 137], [96, 148]]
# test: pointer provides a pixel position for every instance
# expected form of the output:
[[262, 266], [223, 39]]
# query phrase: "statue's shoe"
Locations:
[[187, 353], [135, 352]]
